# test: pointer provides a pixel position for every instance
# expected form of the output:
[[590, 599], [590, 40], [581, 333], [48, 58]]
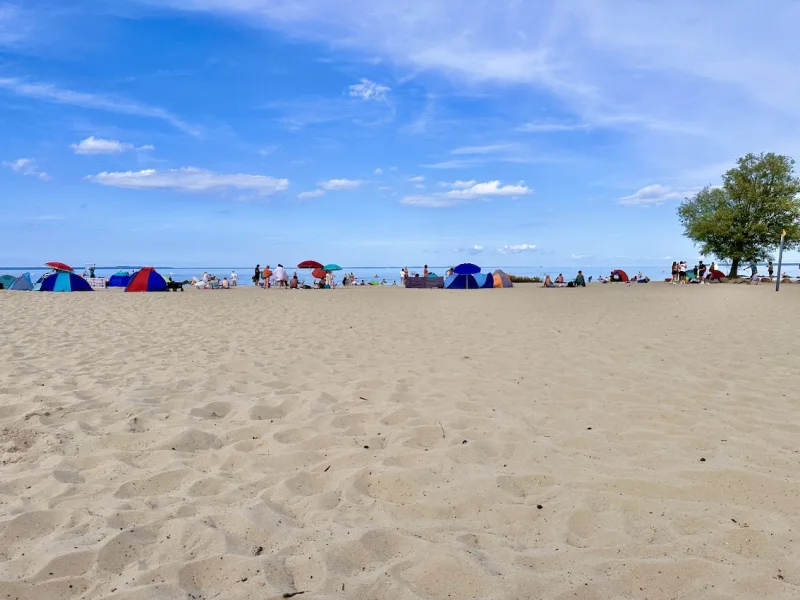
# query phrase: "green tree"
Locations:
[[743, 219]]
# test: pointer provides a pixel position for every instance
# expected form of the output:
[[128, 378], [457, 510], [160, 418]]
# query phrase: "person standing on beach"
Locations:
[[770, 270], [234, 279], [674, 273], [424, 271], [702, 272], [753, 269], [682, 271], [257, 275], [281, 276]]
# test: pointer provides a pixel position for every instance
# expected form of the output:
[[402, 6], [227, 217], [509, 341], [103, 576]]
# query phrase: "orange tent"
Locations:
[[502, 280]]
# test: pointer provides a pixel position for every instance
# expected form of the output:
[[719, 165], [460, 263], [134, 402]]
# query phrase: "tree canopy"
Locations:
[[743, 219]]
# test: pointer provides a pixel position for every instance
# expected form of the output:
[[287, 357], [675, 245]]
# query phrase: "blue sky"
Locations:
[[200, 132]]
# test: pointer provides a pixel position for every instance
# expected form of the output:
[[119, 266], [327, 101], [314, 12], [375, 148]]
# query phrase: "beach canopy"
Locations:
[[7, 281], [147, 280], [59, 266], [64, 281], [501, 279], [461, 282], [619, 275], [119, 279], [309, 264], [331, 267], [23, 283], [467, 269], [717, 274]]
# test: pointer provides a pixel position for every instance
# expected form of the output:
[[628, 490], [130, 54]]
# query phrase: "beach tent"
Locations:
[[432, 274], [460, 282], [717, 275], [38, 285], [23, 283], [501, 280], [619, 275], [7, 281], [147, 280], [119, 279], [484, 280], [64, 281]]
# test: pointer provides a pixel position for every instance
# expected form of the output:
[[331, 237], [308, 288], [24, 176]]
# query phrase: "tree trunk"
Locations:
[[734, 268]]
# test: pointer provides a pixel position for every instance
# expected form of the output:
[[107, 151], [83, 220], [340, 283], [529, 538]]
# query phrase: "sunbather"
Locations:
[[548, 283]]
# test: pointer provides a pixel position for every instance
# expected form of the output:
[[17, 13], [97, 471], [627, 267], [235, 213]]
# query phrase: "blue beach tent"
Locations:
[[119, 279], [63, 281], [484, 280], [460, 282], [7, 281], [23, 283]]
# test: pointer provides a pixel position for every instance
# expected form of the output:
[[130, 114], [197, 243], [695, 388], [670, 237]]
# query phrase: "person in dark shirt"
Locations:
[[580, 281], [257, 275]]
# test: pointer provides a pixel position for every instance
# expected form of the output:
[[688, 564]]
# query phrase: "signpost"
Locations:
[[780, 258]]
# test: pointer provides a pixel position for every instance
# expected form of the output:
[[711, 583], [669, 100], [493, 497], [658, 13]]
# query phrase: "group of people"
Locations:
[[266, 278], [579, 281], [209, 281]]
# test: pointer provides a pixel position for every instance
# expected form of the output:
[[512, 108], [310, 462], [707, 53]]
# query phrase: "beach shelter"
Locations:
[[38, 285], [7, 281], [64, 281], [318, 274], [718, 275], [619, 275], [119, 279], [23, 283], [501, 279], [147, 280], [466, 269], [484, 280], [332, 267], [460, 282]]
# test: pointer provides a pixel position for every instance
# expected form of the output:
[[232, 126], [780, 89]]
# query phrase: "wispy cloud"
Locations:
[[369, 90], [551, 127], [474, 250], [311, 194], [28, 167], [416, 179], [190, 179], [490, 149], [93, 145], [267, 150], [340, 184], [51, 93], [468, 192], [517, 248], [378, 171], [652, 194]]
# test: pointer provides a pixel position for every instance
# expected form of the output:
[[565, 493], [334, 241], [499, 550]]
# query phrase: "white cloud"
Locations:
[[490, 188], [419, 186], [652, 194], [517, 248], [417, 179], [28, 167], [340, 184], [485, 149], [378, 171], [581, 256], [93, 145], [458, 184], [466, 191], [267, 150], [190, 179], [311, 194], [51, 93], [369, 90]]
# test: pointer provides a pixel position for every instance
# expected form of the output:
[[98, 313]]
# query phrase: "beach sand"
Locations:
[[608, 442]]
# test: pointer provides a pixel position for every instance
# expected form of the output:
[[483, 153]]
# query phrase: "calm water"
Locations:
[[392, 274]]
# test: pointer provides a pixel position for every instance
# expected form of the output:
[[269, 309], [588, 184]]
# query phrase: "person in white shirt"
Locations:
[[234, 279], [281, 276]]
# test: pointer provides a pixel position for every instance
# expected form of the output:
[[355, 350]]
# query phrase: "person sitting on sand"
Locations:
[[580, 280], [560, 278], [295, 282], [225, 285], [548, 283]]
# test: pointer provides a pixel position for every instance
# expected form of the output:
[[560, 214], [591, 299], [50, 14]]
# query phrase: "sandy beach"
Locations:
[[609, 442]]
